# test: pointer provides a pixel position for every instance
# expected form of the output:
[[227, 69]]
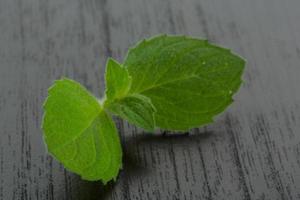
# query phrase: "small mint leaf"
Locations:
[[136, 109], [117, 79]]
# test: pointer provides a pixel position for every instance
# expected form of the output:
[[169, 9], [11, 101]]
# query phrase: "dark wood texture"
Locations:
[[252, 151]]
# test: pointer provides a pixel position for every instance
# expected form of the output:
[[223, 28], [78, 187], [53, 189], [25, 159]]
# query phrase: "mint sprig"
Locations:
[[167, 82]]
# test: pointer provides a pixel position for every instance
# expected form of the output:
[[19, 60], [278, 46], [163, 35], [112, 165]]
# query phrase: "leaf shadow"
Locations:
[[140, 147], [97, 190], [133, 165], [162, 140]]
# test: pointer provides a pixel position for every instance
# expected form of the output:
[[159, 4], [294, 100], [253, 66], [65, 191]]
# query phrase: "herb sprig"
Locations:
[[168, 82]]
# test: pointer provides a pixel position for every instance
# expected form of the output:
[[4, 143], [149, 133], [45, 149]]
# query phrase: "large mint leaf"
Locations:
[[136, 109], [188, 80], [79, 133]]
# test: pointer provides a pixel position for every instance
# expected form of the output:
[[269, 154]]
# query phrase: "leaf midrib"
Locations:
[[79, 134], [171, 81]]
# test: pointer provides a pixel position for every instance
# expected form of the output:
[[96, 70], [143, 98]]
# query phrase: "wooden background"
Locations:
[[252, 151]]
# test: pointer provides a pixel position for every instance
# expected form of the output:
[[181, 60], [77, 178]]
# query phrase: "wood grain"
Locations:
[[252, 151]]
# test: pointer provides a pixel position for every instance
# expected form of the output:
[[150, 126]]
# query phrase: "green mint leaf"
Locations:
[[136, 109], [118, 81], [188, 80], [79, 133]]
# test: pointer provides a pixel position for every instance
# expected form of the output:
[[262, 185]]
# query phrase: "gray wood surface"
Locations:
[[252, 151]]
